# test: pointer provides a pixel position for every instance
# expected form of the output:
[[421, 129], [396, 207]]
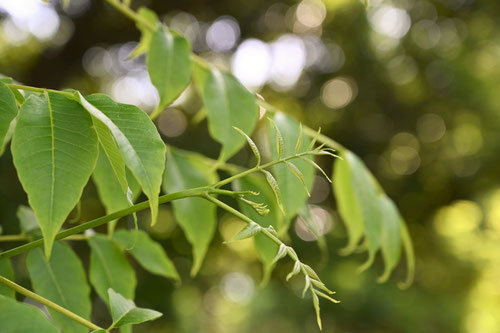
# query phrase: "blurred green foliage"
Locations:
[[411, 86]]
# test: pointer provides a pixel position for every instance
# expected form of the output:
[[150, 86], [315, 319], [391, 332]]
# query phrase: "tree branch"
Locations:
[[49, 304]]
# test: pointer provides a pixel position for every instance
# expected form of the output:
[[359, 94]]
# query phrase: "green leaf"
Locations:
[[228, 104], [109, 268], [17, 94], [196, 216], [249, 231], [410, 256], [137, 139], [61, 280], [298, 144], [293, 192], [146, 34], [8, 111], [147, 252], [297, 173], [17, 317], [169, 64], [391, 236], [282, 251], [54, 150], [295, 270], [252, 145], [316, 309], [109, 150], [278, 138], [8, 136], [358, 196], [125, 312], [27, 219], [271, 181], [7, 272], [109, 188], [347, 205], [266, 248], [316, 166]]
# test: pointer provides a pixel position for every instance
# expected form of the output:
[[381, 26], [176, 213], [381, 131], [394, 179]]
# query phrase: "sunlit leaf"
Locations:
[[410, 256], [196, 216], [169, 64], [61, 280], [109, 151], [391, 236], [147, 252], [137, 139], [125, 312], [109, 268], [228, 104], [23, 318], [347, 204], [367, 194], [54, 149], [358, 196]]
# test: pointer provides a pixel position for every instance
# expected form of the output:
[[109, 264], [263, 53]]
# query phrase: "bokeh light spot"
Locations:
[[338, 92]]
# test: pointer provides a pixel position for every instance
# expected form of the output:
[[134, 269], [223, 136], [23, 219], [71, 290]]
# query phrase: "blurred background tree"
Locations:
[[410, 85]]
